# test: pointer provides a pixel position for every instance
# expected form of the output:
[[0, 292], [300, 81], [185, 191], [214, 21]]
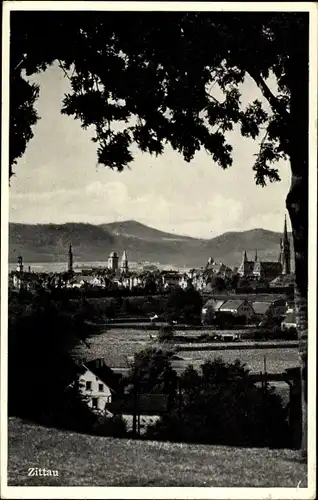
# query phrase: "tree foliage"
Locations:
[[149, 79], [41, 335], [221, 405], [152, 372], [183, 305]]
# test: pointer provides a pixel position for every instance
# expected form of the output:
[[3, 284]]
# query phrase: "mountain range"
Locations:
[[92, 243]]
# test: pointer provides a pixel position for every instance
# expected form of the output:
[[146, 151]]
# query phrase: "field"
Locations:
[[119, 346], [83, 460]]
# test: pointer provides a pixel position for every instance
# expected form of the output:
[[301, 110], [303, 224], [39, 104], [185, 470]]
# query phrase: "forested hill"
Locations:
[[49, 243]]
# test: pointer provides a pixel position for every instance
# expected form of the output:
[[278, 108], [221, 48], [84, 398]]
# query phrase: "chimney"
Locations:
[[99, 362]]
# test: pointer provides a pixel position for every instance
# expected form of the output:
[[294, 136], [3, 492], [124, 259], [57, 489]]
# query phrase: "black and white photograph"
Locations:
[[158, 250]]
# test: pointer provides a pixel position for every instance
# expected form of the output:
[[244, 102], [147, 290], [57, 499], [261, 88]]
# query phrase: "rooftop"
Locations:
[[231, 304]]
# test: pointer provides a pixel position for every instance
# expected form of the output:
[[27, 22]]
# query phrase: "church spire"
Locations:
[[245, 256], [124, 262], [280, 258], [256, 257], [124, 257]]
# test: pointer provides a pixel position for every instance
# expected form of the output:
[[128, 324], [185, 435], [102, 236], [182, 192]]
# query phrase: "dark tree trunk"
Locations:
[[297, 207], [297, 203]]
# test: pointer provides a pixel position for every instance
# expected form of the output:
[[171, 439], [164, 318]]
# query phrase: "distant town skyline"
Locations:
[[58, 181]]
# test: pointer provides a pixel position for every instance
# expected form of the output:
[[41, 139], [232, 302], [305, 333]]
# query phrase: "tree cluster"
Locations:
[[183, 306], [42, 375], [221, 405]]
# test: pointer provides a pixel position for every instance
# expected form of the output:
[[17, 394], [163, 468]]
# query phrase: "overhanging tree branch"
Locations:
[[267, 93], [64, 70]]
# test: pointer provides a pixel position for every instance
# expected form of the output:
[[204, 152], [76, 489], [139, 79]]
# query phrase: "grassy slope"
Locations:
[[94, 461]]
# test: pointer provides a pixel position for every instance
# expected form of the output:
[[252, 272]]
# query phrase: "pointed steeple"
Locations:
[[243, 269], [280, 257], [256, 256], [124, 262]]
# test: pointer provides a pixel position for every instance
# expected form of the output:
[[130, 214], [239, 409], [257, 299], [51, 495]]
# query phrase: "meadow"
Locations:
[[118, 347], [83, 460]]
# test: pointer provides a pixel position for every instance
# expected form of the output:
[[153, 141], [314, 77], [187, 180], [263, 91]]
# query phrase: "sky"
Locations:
[[58, 180]]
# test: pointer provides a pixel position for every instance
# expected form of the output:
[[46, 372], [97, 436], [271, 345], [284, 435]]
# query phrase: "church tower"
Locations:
[[113, 261], [18, 278], [285, 251], [70, 259], [124, 263], [20, 264]]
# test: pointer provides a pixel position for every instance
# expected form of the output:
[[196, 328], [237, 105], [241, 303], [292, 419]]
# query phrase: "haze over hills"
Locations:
[[49, 243]]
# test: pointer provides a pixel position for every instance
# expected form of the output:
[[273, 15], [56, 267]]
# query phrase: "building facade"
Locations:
[[95, 382], [113, 261]]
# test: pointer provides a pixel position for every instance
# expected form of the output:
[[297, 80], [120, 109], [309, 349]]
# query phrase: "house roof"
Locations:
[[221, 267], [271, 266], [216, 304], [284, 280], [248, 265], [249, 297], [103, 372], [78, 278], [261, 307], [231, 304]]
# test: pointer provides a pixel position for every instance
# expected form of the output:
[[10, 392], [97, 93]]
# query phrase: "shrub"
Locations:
[[165, 334], [112, 426], [289, 333]]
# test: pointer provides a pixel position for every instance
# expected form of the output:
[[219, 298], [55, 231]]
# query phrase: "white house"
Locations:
[[289, 321], [78, 281], [201, 278], [95, 384], [97, 281], [131, 281]]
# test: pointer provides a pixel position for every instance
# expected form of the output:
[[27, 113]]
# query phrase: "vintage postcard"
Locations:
[[158, 250]]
